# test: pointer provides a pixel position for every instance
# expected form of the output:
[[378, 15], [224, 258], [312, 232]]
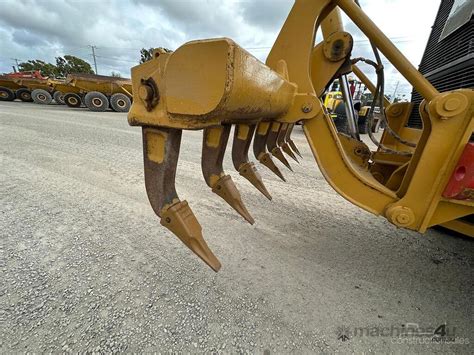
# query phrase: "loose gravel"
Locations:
[[86, 265]]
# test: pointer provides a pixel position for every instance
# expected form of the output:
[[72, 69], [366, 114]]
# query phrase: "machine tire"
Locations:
[[120, 102], [41, 96], [24, 95], [58, 96], [96, 101], [364, 126], [72, 100], [341, 123], [6, 94]]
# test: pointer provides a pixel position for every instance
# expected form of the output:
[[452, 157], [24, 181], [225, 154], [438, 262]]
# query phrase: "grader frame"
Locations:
[[213, 84]]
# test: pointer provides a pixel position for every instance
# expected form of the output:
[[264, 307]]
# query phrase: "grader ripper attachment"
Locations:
[[212, 84]]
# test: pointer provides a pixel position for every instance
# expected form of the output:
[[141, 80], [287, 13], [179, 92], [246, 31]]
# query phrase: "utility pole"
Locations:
[[93, 55], [395, 91], [17, 64]]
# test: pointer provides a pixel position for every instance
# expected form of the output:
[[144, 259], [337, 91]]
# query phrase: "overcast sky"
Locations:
[[44, 29]]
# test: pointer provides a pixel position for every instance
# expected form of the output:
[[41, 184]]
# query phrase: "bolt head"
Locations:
[[400, 216], [145, 92], [307, 108], [403, 218], [452, 104]]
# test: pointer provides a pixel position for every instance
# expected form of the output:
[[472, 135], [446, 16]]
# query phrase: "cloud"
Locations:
[[38, 29], [266, 14], [26, 38]]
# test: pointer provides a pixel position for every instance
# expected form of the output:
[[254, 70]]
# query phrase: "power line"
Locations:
[[117, 59], [394, 40], [397, 39], [124, 48]]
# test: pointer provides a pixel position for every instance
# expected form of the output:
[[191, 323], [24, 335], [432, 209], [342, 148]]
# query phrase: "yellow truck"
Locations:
[[96, 92], [27, 86]]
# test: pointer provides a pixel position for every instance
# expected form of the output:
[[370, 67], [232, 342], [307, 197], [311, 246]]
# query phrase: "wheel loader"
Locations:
[[416, 178]]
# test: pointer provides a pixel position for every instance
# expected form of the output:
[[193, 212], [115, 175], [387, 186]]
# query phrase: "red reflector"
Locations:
[[461, 183]]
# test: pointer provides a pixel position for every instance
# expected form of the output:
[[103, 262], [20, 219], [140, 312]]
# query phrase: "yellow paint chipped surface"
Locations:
[[156, 146]]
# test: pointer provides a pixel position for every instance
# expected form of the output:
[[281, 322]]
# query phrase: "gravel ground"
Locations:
[[86, 265]]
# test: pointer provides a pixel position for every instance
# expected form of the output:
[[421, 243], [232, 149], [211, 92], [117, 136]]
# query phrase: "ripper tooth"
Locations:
[[242, 137], [260, 150], [213, 150], [290, 141], [272, 144], [284, 145], [161, 152]]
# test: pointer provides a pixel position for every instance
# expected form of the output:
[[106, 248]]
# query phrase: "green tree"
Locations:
[[46, 69], [366, 97], [115, 74], [64, 65], [146, 54], [70, 64]]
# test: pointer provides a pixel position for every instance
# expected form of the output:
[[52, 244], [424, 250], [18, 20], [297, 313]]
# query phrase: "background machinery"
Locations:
[[334, 102], [97, 92], [21, 85], [416, 178]]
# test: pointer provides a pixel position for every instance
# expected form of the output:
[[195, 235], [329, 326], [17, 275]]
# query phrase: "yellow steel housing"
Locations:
[[230, 86]]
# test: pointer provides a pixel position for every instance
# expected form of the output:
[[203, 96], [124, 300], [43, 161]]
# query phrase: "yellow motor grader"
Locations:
[[416, 178]]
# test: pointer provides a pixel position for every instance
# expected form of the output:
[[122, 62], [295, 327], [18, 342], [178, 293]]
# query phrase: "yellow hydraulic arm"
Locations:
[[366, 81], [213, 84]]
